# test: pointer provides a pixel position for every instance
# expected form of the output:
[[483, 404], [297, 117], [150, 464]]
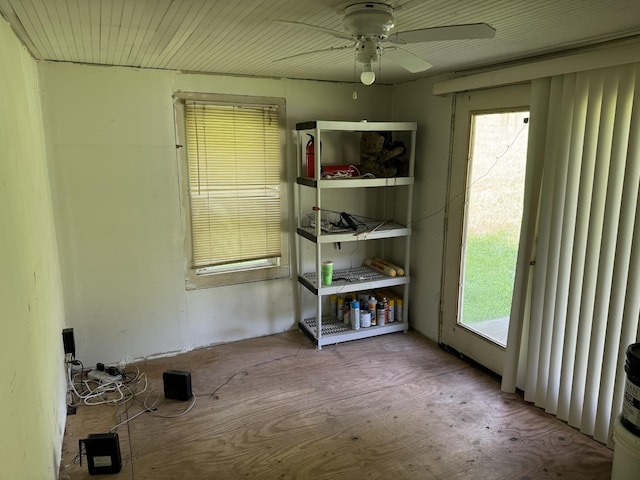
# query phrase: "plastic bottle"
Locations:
[[391, 310], [346, 318], [372, 309], [365, 318]]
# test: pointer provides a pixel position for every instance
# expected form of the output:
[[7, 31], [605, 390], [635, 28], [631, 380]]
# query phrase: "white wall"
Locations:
[[415, 101], [32, 397], [117, 206]]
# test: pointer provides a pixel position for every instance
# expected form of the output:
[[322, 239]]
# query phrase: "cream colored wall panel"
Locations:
[[118, 217], [414, 101], [32, 400], [119, 213]]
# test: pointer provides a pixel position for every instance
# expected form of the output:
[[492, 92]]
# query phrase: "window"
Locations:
[[233, 188], [493, 214]]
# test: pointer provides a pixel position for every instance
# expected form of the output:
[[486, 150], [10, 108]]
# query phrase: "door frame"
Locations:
[[451, 333]]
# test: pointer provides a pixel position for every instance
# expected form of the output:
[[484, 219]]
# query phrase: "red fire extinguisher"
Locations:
[[311, 157]]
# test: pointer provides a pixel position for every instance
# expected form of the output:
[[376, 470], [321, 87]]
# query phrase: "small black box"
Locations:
[[103, 453], [177, 384], [69, 342]]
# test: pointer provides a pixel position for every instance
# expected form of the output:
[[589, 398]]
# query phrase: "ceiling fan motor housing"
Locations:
[[367, 51], [368, 19]]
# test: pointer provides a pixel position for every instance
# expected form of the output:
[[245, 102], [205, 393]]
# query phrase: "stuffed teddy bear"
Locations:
[[379, 156]]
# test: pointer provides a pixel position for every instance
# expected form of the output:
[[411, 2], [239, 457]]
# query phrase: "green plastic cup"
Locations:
[[327, 272]]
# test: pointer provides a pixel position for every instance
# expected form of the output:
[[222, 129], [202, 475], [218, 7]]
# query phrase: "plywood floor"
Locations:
[[391, 407]]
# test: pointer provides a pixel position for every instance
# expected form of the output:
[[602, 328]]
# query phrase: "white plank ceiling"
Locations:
[[240, 37]]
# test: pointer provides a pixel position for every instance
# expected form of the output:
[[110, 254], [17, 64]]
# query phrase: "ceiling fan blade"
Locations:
[[312, 52], [407, 60], [328, 31], [450, 32]]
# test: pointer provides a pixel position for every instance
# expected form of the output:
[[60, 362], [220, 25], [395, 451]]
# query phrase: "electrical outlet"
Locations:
[[124, 361]]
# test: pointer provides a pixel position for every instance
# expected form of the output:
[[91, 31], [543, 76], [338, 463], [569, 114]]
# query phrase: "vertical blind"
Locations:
[[234, 163], [576, 304]]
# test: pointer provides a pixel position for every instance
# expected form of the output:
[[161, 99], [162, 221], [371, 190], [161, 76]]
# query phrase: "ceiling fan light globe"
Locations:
[[367, 77]]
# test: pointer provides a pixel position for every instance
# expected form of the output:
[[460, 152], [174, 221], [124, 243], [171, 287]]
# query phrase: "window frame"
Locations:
[[199, 277]]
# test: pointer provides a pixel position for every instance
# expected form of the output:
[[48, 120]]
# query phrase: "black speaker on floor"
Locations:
[[103, 453], [177, 384]]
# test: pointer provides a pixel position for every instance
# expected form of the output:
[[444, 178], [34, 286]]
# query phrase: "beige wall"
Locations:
[[415, 101], [32, 397], [118, 213]]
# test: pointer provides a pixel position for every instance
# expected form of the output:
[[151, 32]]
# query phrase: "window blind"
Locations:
[[234, 163]]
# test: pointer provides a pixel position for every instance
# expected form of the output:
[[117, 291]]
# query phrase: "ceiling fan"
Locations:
[[370, 31]]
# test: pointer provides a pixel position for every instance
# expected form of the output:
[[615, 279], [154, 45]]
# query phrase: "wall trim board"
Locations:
[[627, 53]]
